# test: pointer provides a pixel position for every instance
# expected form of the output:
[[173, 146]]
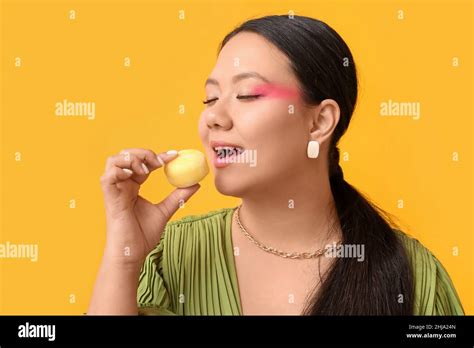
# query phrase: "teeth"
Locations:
[[227, 150]]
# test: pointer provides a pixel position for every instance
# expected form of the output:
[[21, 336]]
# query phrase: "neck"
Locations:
[[296, 216]]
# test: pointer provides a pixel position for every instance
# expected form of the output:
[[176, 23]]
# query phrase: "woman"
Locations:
[[283, 89]]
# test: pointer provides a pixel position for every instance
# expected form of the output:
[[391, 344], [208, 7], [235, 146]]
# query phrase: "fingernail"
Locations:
[[160, 160], [145, 169], [172, 152], [128, 171]]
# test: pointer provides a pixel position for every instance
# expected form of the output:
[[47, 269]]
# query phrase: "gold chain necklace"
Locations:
[[293, 255]]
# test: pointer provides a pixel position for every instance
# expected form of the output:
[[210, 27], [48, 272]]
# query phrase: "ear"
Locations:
[[323, 120]]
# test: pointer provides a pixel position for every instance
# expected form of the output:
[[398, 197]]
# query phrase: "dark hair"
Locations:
[[324, 66]]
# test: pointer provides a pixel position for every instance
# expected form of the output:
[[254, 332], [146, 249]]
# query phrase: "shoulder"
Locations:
[[199, 226], [213, 215], [416, 252], [193, 233], [435, 293]]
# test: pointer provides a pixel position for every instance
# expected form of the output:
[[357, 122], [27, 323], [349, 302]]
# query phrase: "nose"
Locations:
[[218, 119]]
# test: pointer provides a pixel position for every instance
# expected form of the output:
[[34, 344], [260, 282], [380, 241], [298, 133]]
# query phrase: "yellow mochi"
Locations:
[[187, 169]]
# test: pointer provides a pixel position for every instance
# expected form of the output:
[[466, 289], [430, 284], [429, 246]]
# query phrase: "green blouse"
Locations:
[[192, 272]]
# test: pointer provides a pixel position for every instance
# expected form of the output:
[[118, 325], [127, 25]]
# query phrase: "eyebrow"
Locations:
[[238, 77]]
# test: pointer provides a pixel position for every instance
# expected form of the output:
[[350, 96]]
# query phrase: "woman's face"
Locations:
[[272, 129]]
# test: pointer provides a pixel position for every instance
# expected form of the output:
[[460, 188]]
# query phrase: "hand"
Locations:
[[134, 225]]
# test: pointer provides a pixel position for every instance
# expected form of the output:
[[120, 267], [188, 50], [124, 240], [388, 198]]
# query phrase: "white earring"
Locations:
[[313, 149]]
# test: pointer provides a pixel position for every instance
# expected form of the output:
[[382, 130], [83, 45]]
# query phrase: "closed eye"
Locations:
[[243, 97], [209, 100], [249, 96]]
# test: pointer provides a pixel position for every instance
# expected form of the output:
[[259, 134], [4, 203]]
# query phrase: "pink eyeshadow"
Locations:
[[275, 91]]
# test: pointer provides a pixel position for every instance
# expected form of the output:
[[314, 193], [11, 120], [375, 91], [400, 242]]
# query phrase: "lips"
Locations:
[[224, 151]]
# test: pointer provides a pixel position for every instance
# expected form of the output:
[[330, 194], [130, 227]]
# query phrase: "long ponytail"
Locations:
[[382, 283]]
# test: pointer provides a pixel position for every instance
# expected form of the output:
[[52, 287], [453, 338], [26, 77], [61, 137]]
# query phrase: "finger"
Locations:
[[165, 157], [118, 161], [130, 162], [127, 160], [150, 159], [113, 176], [176, 199]]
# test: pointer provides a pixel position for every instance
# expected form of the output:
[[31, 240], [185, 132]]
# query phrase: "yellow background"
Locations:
[[62, 158]]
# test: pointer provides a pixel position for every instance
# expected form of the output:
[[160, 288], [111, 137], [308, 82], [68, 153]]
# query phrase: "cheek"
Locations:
[[266, 116], [273, 131]]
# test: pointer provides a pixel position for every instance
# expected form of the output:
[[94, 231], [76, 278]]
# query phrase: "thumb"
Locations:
[[176, 199]]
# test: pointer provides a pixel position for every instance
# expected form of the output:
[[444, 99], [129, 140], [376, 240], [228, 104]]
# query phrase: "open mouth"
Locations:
[[227, 151]]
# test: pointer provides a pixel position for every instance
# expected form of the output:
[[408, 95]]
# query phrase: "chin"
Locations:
[[239, 185], [229, 187], [234, 185]]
